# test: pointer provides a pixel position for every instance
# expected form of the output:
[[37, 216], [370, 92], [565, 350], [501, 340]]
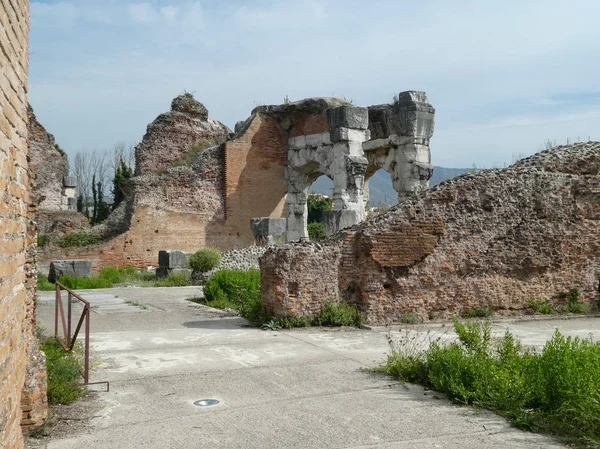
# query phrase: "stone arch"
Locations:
[[337, 153]]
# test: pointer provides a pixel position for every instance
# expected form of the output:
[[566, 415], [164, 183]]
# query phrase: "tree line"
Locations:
[[101, 180]]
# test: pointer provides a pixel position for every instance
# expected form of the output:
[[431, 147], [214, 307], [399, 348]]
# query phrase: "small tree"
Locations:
[[103, 209], [122, 174], [316, 205]]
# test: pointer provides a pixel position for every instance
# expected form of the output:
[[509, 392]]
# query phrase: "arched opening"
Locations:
[[320, 199], [381, 191]]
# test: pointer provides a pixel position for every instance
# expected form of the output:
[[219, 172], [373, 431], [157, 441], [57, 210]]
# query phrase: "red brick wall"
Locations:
[[211, 206], [17, 236]]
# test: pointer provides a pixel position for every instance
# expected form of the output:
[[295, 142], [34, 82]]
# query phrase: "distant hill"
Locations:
[[380, 184]]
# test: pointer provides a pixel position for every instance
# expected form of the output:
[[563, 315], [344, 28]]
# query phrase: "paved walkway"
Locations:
[[293, 389]]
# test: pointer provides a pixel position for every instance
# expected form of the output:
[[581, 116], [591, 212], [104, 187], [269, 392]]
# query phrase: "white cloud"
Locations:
[[472, 57]]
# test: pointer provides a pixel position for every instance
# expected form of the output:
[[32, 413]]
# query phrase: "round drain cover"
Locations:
[[206, 402]]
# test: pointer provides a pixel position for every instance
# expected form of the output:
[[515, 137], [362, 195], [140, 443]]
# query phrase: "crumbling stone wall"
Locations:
[[176, 135], [49, 164], [19, 355], [494, 238]]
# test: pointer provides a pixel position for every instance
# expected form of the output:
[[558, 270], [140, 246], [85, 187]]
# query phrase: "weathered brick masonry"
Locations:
[[494, 238], [206, 202], [22, 366]]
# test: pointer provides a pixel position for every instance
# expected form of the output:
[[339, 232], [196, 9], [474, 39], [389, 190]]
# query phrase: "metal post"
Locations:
[[56, 299], [69, 321], [86, 368]]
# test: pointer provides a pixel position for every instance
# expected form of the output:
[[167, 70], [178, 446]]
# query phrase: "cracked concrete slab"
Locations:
[[302, 388]]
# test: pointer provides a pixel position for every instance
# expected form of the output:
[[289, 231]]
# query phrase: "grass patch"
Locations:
[[554, 391], [43, 284], [64, 383], [84, 283], [541, 306], [411, 318], [112, 275], [236, 289], [477, 312], [173, 280], [77, 239]]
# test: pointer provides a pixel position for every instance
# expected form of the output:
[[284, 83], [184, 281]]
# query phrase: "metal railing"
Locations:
[[68, 341]]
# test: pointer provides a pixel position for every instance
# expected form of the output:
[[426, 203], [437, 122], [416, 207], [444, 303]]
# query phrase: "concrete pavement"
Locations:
[[292, 389]]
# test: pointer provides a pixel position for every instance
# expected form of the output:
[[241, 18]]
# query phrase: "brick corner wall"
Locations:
[[20, 359]]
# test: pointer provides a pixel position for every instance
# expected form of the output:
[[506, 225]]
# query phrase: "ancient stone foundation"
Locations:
[[490, 239]]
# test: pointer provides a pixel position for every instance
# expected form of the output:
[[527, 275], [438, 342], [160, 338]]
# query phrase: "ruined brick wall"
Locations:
[[17, 236], [208, 203], [493, 238], [255, 184]]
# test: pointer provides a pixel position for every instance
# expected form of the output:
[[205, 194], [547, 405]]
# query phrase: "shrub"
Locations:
[[77, 239], [555, 391], [205, 260], [42, 239], [573, 304], [477, 312], [316, 231], [239, 288], [577, 307], [44, 285], [541, 306], [174, 280], [83, 283], [63, 373], [338, 314]]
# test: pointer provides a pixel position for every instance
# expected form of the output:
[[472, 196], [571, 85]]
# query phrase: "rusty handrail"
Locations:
[[69, 341]]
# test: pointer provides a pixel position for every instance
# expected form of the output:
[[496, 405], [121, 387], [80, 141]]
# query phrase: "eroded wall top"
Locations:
[[177, 136]]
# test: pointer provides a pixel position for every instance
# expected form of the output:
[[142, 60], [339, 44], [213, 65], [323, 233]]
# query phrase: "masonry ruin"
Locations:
[[198, 184], [490, 239], [54, 192]]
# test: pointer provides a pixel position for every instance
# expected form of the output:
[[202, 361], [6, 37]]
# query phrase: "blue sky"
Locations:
[[503, 76]]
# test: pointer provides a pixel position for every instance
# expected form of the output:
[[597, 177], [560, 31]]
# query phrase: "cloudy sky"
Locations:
[[504, 76]]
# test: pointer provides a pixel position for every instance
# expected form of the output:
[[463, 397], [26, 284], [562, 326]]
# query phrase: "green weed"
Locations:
[[477, 312], [411, 318], [541, 306], [174, 280], [77, 239], [573, 305], [338, 314], [554, 391], [44, 285], [64, 385], [238, 288]]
